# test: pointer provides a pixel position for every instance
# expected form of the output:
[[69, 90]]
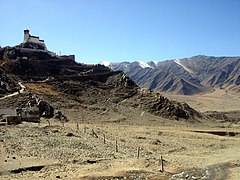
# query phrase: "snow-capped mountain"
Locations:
[[184, 76]]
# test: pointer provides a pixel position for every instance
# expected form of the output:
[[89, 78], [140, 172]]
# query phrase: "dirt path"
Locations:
[[15, 93], [2, 63]]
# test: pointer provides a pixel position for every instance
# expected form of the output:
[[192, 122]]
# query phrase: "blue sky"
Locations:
[[126, 30]]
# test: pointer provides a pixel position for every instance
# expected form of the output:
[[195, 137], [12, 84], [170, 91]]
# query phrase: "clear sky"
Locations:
[[125, 30]]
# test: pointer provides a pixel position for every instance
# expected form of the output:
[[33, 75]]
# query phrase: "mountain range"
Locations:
[[187, 76], [63, 83]]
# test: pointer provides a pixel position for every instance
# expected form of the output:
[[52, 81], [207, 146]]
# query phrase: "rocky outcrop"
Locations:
[[32, 45], [7, 84], [86, 84], [18, 52], [161, 106]]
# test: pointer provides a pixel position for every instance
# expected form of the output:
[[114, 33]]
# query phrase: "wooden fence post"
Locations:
[[138, 152], [161, 164]]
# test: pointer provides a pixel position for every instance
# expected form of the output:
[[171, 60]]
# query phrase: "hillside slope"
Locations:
[[186, 76], [67, 84]]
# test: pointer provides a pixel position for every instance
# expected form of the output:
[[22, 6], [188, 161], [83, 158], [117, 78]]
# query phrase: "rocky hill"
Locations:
[[186, 76], [66, 84]]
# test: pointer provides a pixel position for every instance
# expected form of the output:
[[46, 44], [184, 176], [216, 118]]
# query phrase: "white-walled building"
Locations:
[[33, 39]]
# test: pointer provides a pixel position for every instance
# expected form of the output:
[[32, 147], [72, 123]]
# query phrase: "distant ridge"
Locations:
[[187, 76]]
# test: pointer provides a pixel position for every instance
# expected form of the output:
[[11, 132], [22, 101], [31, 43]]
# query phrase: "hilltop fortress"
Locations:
[[33, 45], [29, 39]]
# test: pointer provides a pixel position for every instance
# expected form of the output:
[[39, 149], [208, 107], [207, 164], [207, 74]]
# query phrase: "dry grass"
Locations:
[[184, 145], [41, 88], [217, 100], [83, 156]]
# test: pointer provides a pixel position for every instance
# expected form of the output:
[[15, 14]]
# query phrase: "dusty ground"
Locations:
[[108, 123], [68, 151], [207, 149], [218, 100]]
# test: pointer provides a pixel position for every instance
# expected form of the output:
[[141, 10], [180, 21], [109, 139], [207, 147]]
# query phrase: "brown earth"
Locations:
[[109, 118], [96, 85], [76, 149], [217, 100]]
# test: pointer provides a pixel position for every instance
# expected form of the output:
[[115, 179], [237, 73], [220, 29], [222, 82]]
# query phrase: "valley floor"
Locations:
[[79, 151], [125, 143], [217, 100]]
